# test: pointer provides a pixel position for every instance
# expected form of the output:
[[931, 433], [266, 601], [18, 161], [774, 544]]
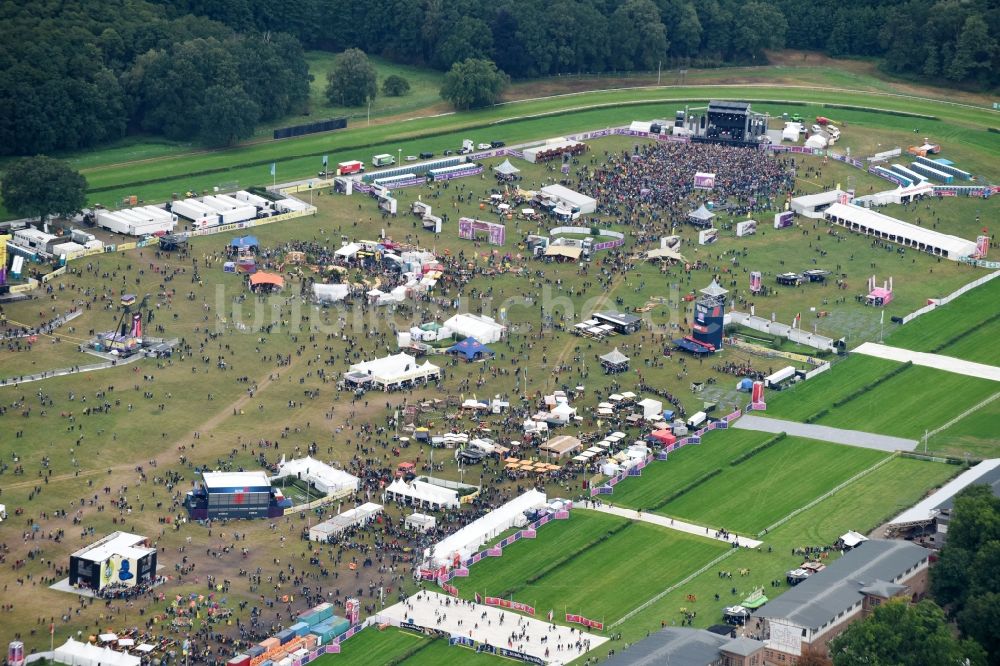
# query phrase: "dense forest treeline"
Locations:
[[73, 75], [76, 74]]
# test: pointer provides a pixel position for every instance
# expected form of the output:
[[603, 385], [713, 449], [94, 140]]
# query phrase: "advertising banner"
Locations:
[[507, 603], [782, 220], [579, 619], [747, 228], [982, 246], [708, 236], [704, 181]]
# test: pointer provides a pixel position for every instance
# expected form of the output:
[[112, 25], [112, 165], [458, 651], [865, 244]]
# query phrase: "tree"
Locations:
[[353, 81], [227, 115], [966, 578], [974, 52], [639, 37], [395, 85], [474, 83], [41, 186], [900, 633]]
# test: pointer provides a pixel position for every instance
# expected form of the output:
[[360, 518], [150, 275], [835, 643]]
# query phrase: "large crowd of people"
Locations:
[[656, 182]]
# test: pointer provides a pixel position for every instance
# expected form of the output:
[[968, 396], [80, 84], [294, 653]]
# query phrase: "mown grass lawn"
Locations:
[[913, 401], [753, 494], [598, 581], [968, 312], [375, 647], [803, 400], [660, 478]]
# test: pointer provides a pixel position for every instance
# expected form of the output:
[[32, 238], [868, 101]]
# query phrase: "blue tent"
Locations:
[[471, 349], [245, 242], [745, 384]]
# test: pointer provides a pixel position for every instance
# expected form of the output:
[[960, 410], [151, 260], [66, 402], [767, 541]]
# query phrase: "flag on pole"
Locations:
[[52, 629], [479, 599], [882, 318], [326, 160], [551, 614], [273, 168]]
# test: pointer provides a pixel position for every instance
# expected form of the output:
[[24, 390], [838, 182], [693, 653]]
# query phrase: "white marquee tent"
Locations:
[[392, 371], [330, 293], [329, 480], [482, 328], [470, 538], [422, 494], [76, 653]]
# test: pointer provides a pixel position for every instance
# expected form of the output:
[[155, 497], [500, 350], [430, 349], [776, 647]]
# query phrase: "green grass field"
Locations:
[[660, 478], [439, 653], [425, 89], [973, 436], [805, 399], [958, 329], [588, 580], [862, 506], [375, 647], [916, 400], [749, 496]]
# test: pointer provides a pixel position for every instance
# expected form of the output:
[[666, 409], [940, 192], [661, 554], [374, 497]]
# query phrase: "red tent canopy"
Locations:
[[664, 436]]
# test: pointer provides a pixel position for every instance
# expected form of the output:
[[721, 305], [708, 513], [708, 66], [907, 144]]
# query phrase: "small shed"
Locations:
[[614, 362]]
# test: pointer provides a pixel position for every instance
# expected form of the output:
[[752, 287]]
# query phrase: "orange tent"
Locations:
[[267, 278]]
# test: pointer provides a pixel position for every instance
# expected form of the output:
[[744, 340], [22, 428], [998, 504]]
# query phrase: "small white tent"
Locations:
[[816, 141], [76, 653]]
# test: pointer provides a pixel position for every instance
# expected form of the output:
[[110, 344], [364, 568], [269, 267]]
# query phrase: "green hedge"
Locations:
[[861, 390], [757, 449], [688, 488], [955, 338]]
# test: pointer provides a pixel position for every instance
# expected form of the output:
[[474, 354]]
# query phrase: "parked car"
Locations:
[[483, 146], [426, 156], [449, 152], [411, 158], [497, 144]]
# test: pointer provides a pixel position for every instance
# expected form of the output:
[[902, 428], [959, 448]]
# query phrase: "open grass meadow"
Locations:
[[554, 572], [750, 496], [425, 90], [439, 653], [916, 400]]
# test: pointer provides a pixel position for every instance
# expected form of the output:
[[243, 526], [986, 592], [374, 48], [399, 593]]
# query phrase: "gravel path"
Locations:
[[865, 440]]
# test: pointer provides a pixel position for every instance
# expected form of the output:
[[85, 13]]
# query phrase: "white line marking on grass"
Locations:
[[832, 491], [685, 581], [961, 416]]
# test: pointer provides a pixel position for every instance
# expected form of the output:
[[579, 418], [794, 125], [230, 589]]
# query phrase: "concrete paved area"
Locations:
[[673, 524], [865, 440], [465, 618], [936, 361]]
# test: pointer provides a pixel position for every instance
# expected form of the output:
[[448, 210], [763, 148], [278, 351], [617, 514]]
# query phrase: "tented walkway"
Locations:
[[936, 361]]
